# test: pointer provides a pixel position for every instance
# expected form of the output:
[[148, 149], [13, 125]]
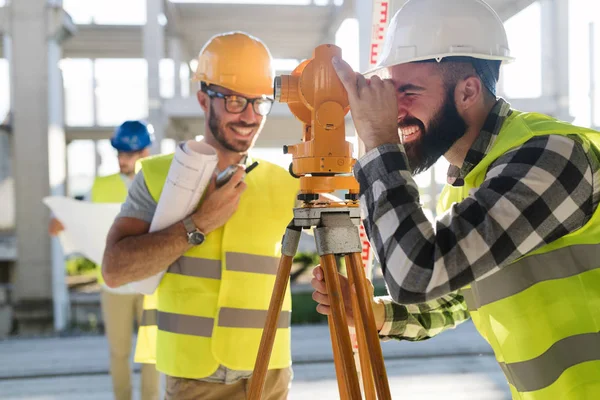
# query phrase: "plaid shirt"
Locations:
[[531, 196], [414, 322]]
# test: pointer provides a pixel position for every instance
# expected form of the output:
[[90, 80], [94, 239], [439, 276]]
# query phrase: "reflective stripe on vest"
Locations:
[[542, 371], [196, 267], [211, 269], [228, 317], [149, 317], [541, 313], [528, 271]]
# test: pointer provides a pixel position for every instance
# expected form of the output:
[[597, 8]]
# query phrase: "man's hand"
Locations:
[[55, 227], [373, 106], [321, 296], [220, 204]]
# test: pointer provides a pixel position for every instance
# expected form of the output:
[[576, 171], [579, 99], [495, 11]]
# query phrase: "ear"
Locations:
[[468, 92], [204, 100]]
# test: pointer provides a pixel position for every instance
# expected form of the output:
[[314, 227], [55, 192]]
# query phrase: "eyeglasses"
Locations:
[[237, 104]]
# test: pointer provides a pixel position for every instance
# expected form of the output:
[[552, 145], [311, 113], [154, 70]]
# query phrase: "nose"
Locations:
[[402, 108], [402, 112], [249, 116]]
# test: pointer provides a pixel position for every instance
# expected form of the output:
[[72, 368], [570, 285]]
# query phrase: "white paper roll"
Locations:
[[191, 170]]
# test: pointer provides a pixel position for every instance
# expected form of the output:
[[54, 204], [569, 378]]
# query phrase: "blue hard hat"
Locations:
[[132, 136]]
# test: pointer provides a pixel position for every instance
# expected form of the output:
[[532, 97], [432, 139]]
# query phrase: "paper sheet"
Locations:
[[86, 225], [192, 167]]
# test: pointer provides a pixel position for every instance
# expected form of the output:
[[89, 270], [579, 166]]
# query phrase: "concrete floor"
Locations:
[[455, 365]]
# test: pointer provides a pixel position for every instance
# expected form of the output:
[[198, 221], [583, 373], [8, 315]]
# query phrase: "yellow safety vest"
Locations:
[[541, 314], [145, 346], [213, 301], [108, 189]]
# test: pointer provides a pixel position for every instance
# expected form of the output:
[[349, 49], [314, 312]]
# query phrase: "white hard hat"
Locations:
[[436, 29]]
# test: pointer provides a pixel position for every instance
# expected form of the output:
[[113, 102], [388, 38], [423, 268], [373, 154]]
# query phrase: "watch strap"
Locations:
[[189, 225]]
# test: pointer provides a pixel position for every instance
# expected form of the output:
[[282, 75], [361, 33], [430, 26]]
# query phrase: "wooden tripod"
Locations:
[[336, 233]]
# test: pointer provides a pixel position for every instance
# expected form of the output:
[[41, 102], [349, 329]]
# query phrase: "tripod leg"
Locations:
[[289, 247], [363, 350], [341, 325], [337, 358], [368, 320]]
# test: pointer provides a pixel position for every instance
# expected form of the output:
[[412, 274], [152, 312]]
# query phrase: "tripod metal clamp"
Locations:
[[309, 217], [291, 238], [337, 240]]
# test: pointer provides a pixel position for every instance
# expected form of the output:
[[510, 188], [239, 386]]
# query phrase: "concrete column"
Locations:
[[33, 275], [175, 54], [94, 98], [41, 299], [97, 160], [185, 79], [555, 54], [4, 155], [5, 140], [154, 51], [57, 154]]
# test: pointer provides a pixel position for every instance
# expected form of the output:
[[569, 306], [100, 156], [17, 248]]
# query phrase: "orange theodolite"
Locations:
[[323, 162], [316, 97]]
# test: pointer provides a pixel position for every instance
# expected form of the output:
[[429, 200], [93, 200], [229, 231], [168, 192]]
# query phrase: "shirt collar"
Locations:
[[482, 145]]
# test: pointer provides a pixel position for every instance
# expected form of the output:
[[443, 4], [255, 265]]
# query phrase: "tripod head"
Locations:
[[316, 97]]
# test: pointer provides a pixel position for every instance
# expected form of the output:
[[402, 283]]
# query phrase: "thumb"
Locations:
[[346, 75]]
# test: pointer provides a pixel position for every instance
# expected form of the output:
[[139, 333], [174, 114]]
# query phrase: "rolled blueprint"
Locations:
[[193, 165]]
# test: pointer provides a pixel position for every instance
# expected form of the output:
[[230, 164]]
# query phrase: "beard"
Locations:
[[443, 131], [217, 128], [126, 170]]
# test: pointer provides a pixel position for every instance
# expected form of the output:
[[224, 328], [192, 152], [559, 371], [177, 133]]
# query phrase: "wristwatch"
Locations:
[[194, 235]]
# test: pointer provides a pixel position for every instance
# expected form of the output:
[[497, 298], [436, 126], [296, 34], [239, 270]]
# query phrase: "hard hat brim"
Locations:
[[242, 91], [437, 57]]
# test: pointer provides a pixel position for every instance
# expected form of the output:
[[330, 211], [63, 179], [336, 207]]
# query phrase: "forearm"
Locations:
[[395, 222], [422, 321], [137, 257]]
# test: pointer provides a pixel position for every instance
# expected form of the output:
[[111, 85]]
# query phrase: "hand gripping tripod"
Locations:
[[323, 162]]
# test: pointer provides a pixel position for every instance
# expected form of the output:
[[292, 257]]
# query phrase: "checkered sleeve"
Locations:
[[531, 195], [416, 322]]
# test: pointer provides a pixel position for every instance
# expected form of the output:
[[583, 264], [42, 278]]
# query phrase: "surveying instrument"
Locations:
[[323, 162]]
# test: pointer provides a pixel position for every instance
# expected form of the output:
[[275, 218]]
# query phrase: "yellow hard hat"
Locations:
[[236, 61]]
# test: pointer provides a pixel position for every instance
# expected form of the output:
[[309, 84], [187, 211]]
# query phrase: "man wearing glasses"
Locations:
[[222, 259]]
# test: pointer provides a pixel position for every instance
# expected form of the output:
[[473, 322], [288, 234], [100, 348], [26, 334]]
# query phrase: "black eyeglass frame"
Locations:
[[255, 106]]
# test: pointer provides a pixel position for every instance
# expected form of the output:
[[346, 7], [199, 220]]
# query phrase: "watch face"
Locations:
[[196, 238]]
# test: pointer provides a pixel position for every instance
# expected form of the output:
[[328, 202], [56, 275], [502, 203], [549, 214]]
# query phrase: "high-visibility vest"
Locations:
[[541, 313], [108, 189], [212, 302], [145, 346]]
